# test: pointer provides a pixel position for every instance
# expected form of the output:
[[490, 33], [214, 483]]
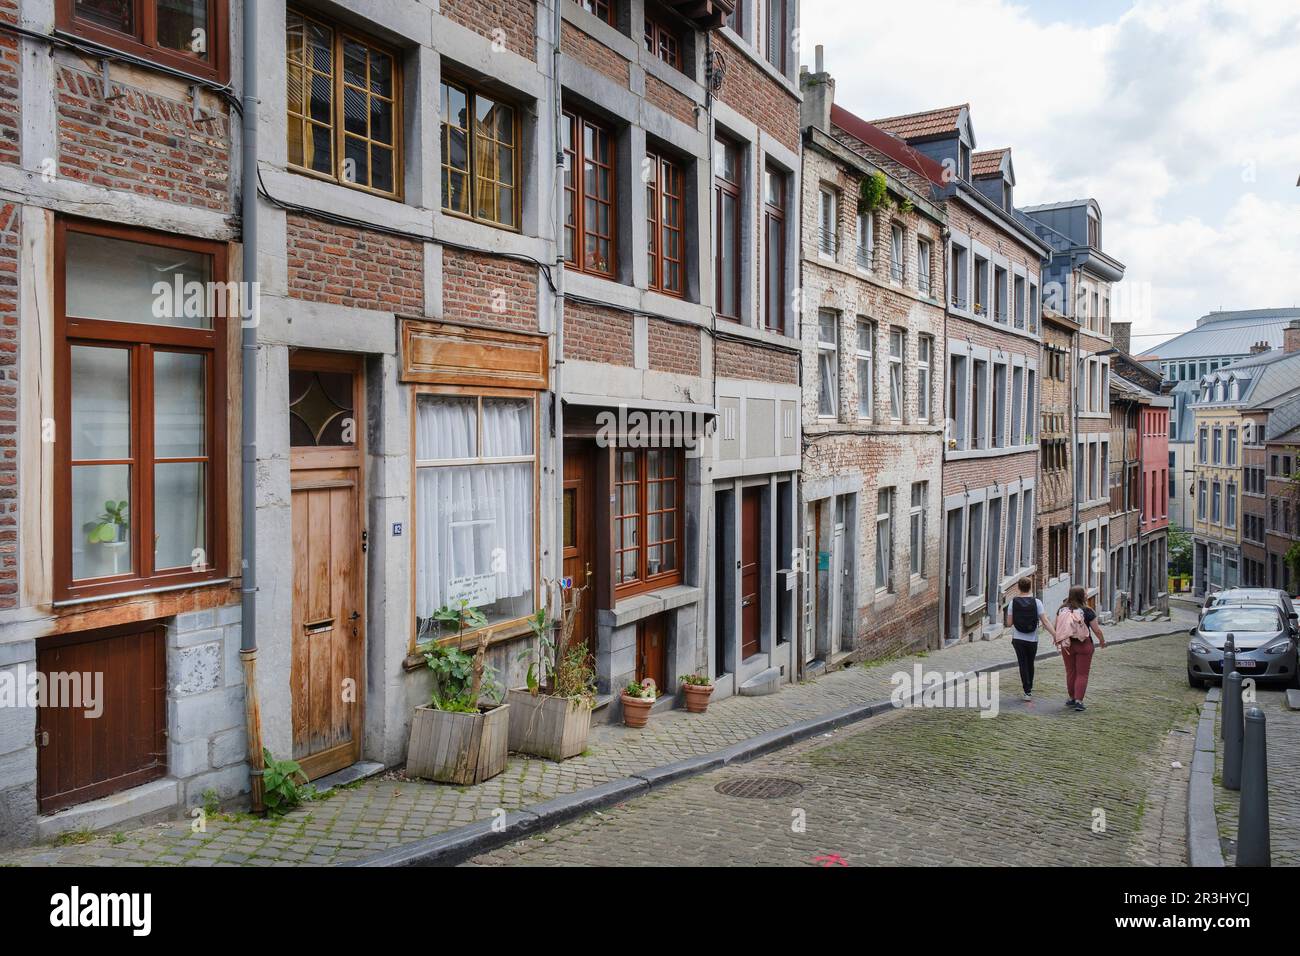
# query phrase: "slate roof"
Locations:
[[1226, 333], [873, 136]]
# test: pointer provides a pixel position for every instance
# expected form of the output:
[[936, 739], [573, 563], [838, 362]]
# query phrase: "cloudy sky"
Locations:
[[1180, 117]]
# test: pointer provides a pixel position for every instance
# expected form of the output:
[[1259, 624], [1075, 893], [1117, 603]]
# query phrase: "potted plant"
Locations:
[[110, 527], [551, 716], [698, 688], [638, 698], [455, 738]]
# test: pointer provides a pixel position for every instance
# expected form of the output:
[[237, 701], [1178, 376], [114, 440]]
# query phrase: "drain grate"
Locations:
[[759, 788]]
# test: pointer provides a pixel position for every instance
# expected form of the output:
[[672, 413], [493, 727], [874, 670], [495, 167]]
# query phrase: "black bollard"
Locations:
[[1232, 731], [1253, 847]]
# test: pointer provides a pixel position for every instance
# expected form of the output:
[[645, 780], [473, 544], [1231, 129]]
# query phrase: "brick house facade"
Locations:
[[873, 432]]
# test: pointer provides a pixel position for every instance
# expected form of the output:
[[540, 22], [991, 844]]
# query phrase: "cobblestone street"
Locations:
[[937, 786], [388, 811]]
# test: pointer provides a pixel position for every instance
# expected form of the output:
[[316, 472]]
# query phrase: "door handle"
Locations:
[[745, 603], [354, 615]]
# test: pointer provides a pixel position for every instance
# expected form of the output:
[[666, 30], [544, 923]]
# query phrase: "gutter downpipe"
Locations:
[[248, 414], [557, 310]]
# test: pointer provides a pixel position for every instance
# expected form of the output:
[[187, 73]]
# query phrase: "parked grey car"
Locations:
[[1254, 596], [1264, 638]]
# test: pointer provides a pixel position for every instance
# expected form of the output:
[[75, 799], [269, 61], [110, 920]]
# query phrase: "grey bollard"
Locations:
[[1253, 847], [1232, 731], [1229, 665]]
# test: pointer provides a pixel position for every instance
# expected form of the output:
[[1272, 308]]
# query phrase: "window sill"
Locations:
[[140, 592], [508, 631], [638, 607]]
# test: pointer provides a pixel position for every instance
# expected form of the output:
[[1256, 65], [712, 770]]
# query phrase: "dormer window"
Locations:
[[1006, 196], [1094, 231], [963, 157]]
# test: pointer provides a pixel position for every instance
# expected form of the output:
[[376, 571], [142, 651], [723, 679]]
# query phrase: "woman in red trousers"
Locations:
[[1076, 623]]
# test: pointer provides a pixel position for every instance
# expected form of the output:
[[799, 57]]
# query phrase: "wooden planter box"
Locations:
[[458, 748], [552, 727]]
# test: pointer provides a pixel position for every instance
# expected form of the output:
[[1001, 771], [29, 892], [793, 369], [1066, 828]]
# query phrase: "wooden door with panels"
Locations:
[[327, 678]]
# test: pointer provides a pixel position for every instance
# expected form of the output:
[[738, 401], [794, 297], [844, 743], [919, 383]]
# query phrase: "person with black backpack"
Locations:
[[1024, 614]]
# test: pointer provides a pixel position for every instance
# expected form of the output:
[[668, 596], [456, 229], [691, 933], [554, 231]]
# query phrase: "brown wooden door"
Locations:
[[652, 650], [113, 736], [751, 604], [579, 527], [328, 625]]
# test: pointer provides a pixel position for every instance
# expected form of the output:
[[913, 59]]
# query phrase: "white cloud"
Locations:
[[1181, 117]]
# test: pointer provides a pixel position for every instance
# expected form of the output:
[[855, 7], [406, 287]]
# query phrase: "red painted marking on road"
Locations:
[[830, 859]]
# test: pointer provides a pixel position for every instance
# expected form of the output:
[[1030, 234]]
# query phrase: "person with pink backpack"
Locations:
[[1076, 623]]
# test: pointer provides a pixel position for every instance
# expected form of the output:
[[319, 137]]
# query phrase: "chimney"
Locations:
[[818, 94], [1291, 337], [1120, 335], [1259, 347]]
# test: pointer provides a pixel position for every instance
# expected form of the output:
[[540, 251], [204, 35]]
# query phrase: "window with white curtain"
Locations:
[[897, 341], [475, 479], [828, 335], [866, 333], [916, 520], [885, 540], [924, 350]]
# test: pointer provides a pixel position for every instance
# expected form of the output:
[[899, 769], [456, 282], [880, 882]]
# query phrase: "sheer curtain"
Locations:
[[474, 522]]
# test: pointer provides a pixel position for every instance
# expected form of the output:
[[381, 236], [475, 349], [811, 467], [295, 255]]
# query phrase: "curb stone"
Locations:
[[456, 846], [1203, 846]]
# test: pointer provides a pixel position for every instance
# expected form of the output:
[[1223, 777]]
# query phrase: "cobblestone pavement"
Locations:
[[937, 786], [1283, 735], [385, 812]]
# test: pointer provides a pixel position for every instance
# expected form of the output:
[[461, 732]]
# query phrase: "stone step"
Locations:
[[358, 771], [764, 682]]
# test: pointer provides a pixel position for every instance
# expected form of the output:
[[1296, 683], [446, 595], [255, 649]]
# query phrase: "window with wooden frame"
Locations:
[[726, 225], [187, 35], [475, 503], [599, 8], [648, 527], [774, 206], [140, 409], [663, 41], [480, 156], [589, 195], [665, 223], [343, 105]]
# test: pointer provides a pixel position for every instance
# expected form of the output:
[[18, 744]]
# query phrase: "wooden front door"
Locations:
[[751, 604], [109, 733], [579, 526], [328, 628], [652, 650]]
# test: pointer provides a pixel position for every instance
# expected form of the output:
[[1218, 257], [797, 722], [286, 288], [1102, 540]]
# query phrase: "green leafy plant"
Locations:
[[281, 790], [905, 206], [645, 689], [874, 192], [109, 526], [558, 666], [1292, 558], [211, 803], [457, 685], [1180, 552], [697, 680]]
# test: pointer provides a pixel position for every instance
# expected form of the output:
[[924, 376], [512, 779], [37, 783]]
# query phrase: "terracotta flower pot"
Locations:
[[636, 710], [697, 697]]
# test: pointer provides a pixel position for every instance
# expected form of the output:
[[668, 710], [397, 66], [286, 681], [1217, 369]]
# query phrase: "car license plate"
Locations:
[[1246, 665]]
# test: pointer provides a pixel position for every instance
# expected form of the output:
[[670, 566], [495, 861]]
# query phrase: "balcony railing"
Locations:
[[923, 284], [958, 301], [896, 271], [827, 243], [1020, 320], [863, 258]]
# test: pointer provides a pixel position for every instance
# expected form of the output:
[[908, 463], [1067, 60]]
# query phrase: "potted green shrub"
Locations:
[[551, 716], [110, 527], [697, 689], [637, 699], [456, 738]]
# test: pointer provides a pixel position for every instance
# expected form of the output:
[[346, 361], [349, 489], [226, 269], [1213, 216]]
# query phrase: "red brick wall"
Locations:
[[595, 334], [10, 97], [141, 142], [517, 18], [674, 348], [9, 239], [669, 100], [488, 290], [346, 266], [754, 94], [737, 360], [594, 54]]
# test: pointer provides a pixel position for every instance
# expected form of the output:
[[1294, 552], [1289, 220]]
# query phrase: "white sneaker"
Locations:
[[1026, 696]]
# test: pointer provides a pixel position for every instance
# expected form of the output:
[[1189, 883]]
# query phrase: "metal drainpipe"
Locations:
[[1074, 443], [248, 418], [945, 234], [557, 312]]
